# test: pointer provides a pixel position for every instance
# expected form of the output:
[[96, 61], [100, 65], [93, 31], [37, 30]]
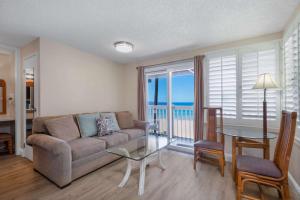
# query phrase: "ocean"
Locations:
[[177, 113], [174, 103]]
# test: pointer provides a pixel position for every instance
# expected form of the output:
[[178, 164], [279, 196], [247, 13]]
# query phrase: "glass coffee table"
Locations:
[[142, 150]]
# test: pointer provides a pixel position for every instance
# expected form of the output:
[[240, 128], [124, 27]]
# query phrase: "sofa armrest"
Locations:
[[51, 144], [142, 125], [52, 157]]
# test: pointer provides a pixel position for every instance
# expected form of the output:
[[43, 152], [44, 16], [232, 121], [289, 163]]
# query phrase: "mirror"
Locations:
[[29, 90], [2, 97]]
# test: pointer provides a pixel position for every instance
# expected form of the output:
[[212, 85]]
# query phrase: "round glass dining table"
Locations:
[[248, 133], [248, 138]]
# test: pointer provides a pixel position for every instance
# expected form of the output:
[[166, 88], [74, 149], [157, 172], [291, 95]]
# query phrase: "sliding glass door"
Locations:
[[157, 102], [170, 101], [183, 107]]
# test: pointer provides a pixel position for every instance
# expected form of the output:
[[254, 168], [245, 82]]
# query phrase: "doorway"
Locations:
[[7, 103], [170, 101], [30, 98]]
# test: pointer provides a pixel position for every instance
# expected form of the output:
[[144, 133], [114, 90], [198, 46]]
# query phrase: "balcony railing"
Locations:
[[182, 121]]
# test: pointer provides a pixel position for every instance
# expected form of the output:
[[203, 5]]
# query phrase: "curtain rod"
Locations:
[[166, 63]]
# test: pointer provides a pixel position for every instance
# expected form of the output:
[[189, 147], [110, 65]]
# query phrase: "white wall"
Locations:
[[7, 73], [72, 81]]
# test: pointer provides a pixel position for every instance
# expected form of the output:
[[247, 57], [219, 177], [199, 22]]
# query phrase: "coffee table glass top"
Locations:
[[140, 148]]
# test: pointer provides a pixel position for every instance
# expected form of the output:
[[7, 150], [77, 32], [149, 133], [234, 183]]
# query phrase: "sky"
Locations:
[[182, 88]]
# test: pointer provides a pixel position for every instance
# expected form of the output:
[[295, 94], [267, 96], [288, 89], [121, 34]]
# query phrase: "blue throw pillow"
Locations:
[[87, 124]]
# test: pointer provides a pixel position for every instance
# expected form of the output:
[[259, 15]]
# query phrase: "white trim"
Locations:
[[181, 149], [228, 157], [169, 104], [294, 182], [21, 152], [35, 55], [297, 141], [19, 149], [171, 66]]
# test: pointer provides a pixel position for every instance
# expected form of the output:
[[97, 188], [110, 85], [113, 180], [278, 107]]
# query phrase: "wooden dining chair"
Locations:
[[7, 138], [270, 173], [211, 145]]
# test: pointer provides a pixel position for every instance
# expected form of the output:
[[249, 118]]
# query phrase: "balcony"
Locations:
[[182, 122]]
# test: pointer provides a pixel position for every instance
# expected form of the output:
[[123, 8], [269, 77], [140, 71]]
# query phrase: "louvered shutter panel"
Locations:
[[254, 64], [222, 84], [291, 65]]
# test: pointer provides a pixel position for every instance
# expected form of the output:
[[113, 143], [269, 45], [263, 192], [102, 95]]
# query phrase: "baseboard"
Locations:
[[181, 149], [228, 157], [20, 152], [294, 182], [297, 141]]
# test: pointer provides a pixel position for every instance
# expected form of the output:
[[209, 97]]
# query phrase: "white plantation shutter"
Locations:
[[291, 76], [253, 64], [222, 84]]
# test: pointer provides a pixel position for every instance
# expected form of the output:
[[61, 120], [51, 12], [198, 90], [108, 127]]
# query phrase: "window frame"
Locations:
[[239, 51], [295, 27], [206, 72]]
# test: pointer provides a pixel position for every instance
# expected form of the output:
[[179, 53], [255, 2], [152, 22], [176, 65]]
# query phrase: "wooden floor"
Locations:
[[179, 181]]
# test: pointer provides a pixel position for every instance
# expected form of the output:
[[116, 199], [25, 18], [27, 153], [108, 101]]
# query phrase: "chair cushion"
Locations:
[[87, 124], [63, 128], [114, 139], [83, 147], [258, 166], [125, 120], [133, 132], [209, 145]]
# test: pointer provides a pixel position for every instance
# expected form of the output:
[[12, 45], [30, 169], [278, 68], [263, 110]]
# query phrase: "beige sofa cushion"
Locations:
[[39, 126], [125, 119], [133, 132], [84, 147], [114, 139], [63, 128]]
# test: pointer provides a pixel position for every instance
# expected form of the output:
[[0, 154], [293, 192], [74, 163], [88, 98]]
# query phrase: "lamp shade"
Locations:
[[265, 81]]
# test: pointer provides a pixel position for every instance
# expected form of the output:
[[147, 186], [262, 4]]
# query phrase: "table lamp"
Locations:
[[265, 81]]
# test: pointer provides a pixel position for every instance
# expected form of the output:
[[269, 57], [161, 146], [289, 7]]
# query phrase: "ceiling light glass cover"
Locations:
[[124, 47]]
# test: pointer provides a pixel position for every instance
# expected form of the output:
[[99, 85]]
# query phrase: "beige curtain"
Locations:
[[199, 98], [141, 94]]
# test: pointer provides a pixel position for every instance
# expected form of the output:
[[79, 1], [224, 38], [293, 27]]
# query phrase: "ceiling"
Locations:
[[155, 27]]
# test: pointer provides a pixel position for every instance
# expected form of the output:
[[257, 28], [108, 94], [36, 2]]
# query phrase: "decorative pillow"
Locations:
[[125, 120], [102, 127], [87, 124], [63, 128], [112, 123]]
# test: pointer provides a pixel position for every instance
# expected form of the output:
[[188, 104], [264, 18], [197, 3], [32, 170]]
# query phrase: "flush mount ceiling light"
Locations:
[[124, 47]]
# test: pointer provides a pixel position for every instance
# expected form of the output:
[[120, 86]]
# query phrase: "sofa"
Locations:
[[62, 160]]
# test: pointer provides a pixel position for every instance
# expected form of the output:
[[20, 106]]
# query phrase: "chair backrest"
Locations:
[[285, 141], [212, 124]]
